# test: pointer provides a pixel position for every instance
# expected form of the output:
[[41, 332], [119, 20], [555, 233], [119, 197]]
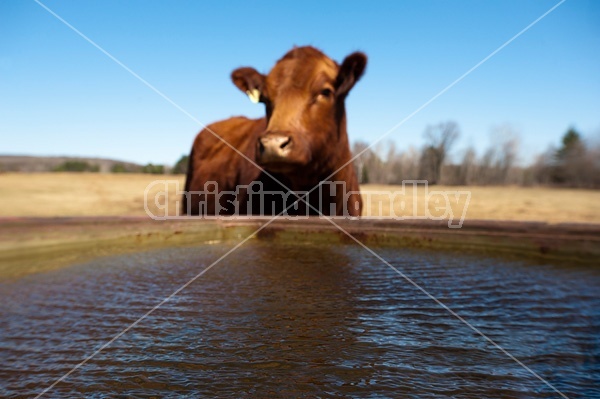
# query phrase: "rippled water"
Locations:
[[275, 320]]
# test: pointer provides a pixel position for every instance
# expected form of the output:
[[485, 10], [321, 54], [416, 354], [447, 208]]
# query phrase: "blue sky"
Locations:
[[61, 96]]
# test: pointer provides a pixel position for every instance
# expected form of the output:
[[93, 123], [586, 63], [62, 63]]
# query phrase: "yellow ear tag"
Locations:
[[253, 95]]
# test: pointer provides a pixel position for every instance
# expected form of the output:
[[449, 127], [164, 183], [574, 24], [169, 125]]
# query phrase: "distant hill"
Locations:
[[24, 163]]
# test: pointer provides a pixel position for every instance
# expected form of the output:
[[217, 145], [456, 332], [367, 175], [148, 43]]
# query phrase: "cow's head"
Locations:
[[304, 99]]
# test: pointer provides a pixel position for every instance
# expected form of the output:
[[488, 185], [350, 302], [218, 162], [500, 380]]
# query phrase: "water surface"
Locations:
[[296, 320]]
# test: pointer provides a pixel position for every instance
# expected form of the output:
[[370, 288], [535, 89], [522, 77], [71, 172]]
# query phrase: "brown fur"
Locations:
[[304, 100]]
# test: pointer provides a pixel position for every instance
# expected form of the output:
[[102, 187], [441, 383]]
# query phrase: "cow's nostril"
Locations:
[[285, 143], [274, 147]]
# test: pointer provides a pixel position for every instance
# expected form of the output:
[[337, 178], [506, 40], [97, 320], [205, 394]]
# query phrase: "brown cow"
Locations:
[[301, 141]]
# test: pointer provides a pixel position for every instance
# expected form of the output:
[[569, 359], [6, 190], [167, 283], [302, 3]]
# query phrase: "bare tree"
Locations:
[[410, 164], [439, 141], [505, 140], [385, 164], [359, 163], [468, 168], [542, 170]]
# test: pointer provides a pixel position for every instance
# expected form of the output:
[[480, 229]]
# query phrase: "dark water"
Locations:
[[275, 320]]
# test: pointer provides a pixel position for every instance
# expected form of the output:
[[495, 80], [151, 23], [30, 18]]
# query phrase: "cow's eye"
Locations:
[[326, 93]]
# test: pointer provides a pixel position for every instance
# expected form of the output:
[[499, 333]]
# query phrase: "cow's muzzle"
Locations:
[[274, 148]]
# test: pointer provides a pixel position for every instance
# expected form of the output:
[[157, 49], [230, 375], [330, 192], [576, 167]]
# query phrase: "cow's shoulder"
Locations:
[[225, 159], [238, 132]]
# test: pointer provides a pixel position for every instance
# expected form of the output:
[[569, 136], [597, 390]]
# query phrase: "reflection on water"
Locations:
[[276, 320]]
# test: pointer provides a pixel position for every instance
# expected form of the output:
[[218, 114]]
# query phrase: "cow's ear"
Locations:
[[350, 72], [250, 81]]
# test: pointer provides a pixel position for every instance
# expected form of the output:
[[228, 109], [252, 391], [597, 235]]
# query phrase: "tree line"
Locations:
[[574, 163], [150, 168]]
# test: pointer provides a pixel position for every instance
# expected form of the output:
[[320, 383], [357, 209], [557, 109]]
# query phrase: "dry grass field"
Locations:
[[75, 194], [95, 194], [550, 205]]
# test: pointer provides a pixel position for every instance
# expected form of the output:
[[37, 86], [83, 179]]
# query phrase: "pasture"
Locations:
[[95, 194]]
